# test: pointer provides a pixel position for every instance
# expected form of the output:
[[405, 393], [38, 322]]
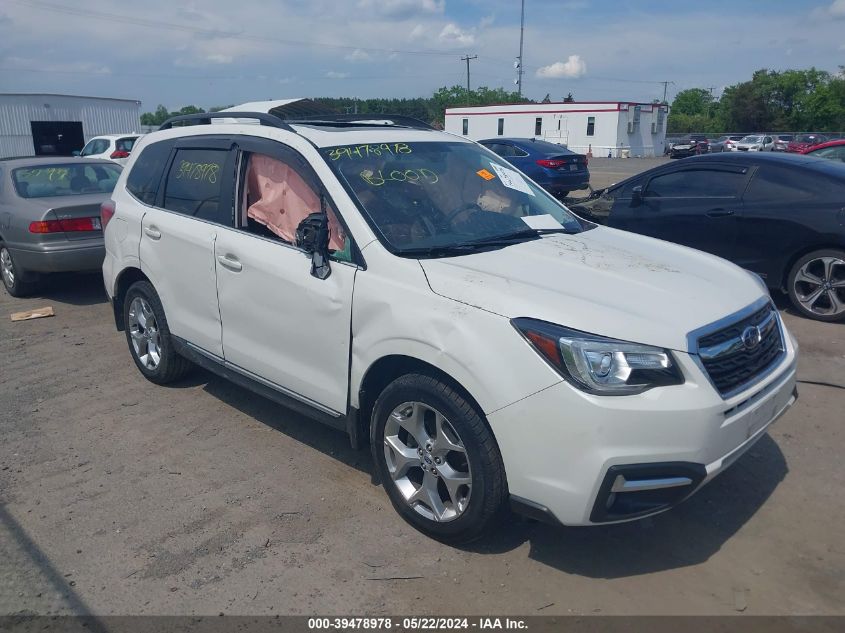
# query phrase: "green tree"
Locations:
[[692, 101]]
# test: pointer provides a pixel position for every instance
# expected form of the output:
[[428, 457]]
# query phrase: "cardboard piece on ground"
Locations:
[[33, 314]]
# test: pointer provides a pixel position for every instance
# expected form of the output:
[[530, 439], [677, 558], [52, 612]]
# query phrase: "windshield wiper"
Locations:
[[462, 248]]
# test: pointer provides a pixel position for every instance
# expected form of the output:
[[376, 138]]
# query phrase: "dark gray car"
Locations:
[[50, 217]]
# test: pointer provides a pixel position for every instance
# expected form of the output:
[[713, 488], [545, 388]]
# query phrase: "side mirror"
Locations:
[[312, 235], [637, 194]]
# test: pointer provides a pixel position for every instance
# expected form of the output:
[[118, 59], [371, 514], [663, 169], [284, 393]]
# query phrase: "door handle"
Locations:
[[231, 262], [719, 213], [152, 232]]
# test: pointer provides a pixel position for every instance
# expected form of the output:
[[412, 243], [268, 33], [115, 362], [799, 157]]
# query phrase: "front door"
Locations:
[[177, 238], [280, 323], [696, 207]]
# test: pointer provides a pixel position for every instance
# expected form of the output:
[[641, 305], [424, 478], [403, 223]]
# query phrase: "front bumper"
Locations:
[[580, 459], [65, 256]]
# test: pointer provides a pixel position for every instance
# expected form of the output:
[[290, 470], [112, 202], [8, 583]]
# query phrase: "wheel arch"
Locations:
[[125, 279]]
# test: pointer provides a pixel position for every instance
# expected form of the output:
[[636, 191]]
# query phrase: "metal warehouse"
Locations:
[[605, 128], [57, 125]]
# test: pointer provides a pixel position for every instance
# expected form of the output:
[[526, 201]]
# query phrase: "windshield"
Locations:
[[441, 195], [68, 179], [807, 138], [751, 139]]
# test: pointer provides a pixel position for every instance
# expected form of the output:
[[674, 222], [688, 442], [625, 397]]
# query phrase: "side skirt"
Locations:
[[221, 368]]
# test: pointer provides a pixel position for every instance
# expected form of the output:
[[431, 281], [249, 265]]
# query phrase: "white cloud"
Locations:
[[454, 35], [358, 56], [332, 74], [486, 21], [417, 32], [572, 68], [402, 9], [218, 58], [835, 11]]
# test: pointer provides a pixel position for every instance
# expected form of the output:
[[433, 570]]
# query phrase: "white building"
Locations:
[[606, 128], [50, 124]]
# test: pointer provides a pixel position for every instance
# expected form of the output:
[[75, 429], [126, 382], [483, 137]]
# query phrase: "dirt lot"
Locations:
[[120, 497]]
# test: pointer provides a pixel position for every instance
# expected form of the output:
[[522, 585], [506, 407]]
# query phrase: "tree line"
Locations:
[[772, 101]]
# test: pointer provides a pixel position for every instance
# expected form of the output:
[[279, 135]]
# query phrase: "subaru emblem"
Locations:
[[751, 337]]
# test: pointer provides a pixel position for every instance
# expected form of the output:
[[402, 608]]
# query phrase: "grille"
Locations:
[[729, 362]]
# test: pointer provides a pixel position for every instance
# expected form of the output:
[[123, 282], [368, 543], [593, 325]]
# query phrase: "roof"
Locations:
[[283, 108], [115, 136], [548, 108], [34, 161], [55, 94]]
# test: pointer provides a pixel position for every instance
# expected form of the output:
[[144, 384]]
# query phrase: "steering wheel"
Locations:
[[466, 207]]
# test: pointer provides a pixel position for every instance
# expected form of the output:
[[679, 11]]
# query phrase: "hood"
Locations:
[[603, 281]]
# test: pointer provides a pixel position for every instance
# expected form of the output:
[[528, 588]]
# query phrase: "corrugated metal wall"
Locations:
[[97, 115]]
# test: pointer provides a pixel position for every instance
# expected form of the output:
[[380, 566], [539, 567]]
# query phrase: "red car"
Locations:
[[803, 142], [834, 150]]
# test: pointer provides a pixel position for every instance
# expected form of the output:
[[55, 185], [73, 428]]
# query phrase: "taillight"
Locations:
[[106, 212], [69, 225], [120, 153], [551, 163]]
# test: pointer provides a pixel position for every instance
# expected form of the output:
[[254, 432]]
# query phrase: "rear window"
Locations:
[[65, 179], [548, 148], [145, 175], [125, 144]]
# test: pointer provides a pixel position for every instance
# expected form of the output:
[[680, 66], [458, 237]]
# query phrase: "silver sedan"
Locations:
[[50, 217]]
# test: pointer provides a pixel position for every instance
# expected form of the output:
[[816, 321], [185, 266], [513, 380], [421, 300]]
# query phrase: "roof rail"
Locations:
[[365, 120], [204, 118]]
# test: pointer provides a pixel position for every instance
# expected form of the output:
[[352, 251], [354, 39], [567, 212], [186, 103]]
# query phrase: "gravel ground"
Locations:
[[121, 497]]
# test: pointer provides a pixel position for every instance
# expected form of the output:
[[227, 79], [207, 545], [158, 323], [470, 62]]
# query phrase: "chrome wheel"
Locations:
[[7, 268], [819, 286], [143, 331], [427, 461]]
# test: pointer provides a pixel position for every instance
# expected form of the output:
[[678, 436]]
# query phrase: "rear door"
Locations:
[[696, 207], [177, 237]]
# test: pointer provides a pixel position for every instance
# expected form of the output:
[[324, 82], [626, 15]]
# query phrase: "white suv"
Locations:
[[114, 147], [413, 289]]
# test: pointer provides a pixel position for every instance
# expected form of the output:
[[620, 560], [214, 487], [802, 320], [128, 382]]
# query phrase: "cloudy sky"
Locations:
[[214, 52]]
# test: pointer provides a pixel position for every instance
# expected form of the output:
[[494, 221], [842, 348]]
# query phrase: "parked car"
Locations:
[[553, 167], [777, 215], [114, 147], [833, 150], [802, 142], [50, 217], [701, 143], [685, 147], [781, 142], [755, 143], [725, 143], [488, 355]]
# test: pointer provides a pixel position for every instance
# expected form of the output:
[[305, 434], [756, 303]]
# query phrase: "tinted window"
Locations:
[[776, 184], [501, 127], [696, 183], [538, 126], [68, 179], [125, 144], [145, 174], [548, 148], [194, 183], [96, 146], [837, 152], [465, 126]]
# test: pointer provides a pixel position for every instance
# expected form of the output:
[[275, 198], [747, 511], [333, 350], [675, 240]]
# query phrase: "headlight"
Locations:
[[600, 365]]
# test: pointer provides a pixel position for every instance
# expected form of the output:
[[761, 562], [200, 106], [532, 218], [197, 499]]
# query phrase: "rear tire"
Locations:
[[148, 336], [13, 275], [816, 285], [437, 459]]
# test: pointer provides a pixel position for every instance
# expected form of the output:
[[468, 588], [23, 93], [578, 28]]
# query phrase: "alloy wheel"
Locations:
[[7, 268], [427, 461], [819, 286], [144, 333]]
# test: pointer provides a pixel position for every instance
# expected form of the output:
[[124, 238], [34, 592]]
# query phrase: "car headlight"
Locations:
[[600, 365]]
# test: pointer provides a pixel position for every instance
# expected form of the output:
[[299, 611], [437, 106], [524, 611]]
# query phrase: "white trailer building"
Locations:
[[51, 124], [605, 128]]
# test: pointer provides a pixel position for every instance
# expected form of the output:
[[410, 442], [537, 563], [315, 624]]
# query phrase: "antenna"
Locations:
[[518, 64]]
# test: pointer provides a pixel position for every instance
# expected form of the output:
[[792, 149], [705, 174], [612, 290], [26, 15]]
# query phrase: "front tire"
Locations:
[[149, 337], [816, 285], [13, 276], [437, 459]]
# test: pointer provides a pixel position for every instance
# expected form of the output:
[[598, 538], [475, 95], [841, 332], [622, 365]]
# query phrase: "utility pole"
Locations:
[[519, 70], [467, 60], [665, 85]]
